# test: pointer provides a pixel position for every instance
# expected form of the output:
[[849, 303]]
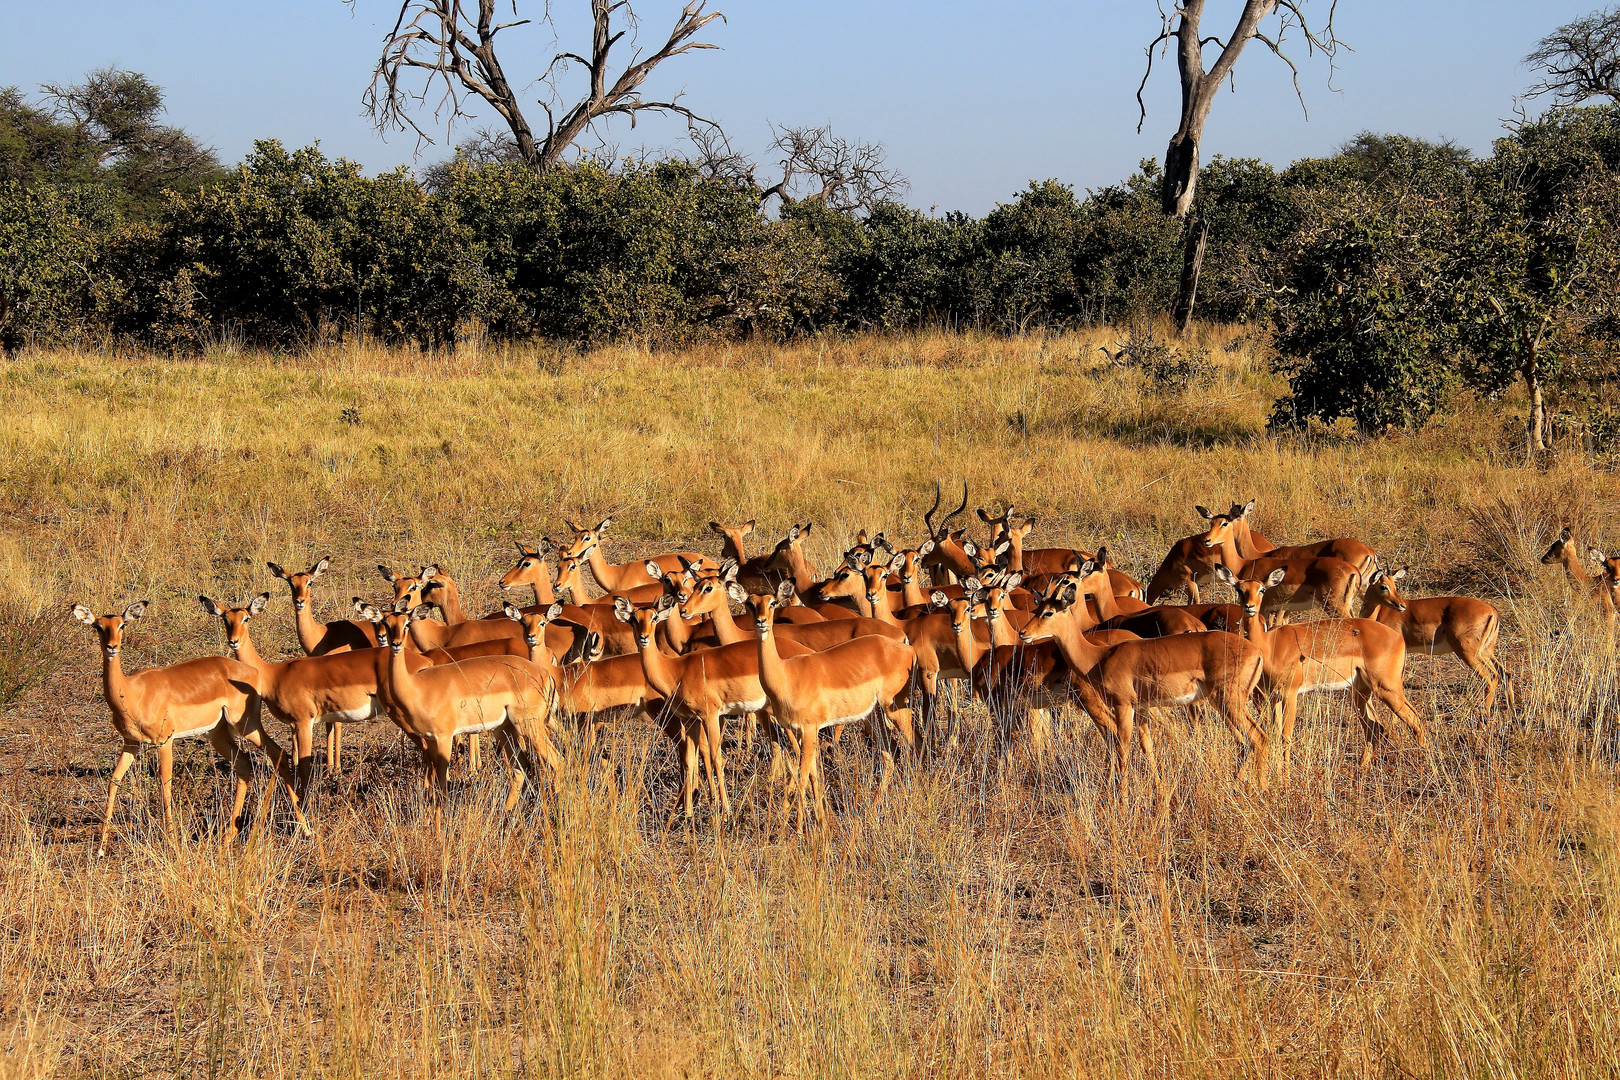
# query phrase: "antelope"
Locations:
[[1048, 562], [211, 696], [309, 690], [1249, 544], [1109, 612], [1326, 582], [1603, 587], [613, 578], [1442, 625], [1033, 672], [759, 569], [533, 570], [702, 687], [848, 682], [317, 639], [1363, 656], [1187, 565], [1113, 682], [504, 694], [947, 556], [571, 583], [789, 557]]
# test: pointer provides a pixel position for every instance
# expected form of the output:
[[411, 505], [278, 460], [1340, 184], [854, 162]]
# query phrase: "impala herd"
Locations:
[[1028, 631]]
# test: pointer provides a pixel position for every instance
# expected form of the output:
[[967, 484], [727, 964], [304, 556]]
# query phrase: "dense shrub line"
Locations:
[[1391, 274]]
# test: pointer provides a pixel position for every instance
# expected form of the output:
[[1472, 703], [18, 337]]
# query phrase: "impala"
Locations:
[[1440, 626], [758, 570], [1247, 544], [315, 638], [848, 682], [1363, 656], [1188, 565], [506, 695], [947, 556], [703, 687], [533, 570], [1603, 587], [789, 558], [1114, 682], [211, 696], [615, 577], [1306, 584], [571, 583]]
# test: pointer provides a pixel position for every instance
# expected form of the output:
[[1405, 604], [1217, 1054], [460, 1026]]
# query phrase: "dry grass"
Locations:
[[1456, 913]]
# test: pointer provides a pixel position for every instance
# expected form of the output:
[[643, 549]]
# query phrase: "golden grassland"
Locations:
[[1456, 912]]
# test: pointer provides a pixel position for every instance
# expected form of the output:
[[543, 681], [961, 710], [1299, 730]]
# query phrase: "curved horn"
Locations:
[[946, 523], [928, 518]]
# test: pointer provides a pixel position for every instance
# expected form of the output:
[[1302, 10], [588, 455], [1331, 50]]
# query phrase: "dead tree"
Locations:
[[1580, 60], [817, 166], [1182, 24], [441, 55]]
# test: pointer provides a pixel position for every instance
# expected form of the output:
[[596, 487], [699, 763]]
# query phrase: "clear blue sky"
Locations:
[[972, 99]]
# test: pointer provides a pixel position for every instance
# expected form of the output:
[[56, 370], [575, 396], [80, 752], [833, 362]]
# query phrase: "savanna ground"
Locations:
[[1456, 913]]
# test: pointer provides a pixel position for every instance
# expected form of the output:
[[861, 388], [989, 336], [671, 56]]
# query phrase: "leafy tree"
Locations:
[[1360, 323]]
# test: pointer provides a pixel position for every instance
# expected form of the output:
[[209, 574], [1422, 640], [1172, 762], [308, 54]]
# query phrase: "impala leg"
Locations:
[[507, 741], [809, 752], [252, 731], [1125, 723], [717, 763], [334, 749], [1392, 695], [303, 734], [437, 751], [126, 758], [225, 743], [475, 760], [1152, 759], [1288, 702], [1371, 729], [166, 782]]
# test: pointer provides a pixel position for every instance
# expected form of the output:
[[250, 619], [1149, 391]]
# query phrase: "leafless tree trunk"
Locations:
[[453, 47], [1192, 261], [1198, 88]]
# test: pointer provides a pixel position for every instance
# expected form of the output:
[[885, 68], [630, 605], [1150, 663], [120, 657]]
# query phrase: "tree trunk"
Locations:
[[1535, 423], [1180, 174], [1192, 262]]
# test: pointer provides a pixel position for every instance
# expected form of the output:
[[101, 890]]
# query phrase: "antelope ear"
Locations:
[[135, 610], [939, 599], [574, 527], [793, 534], [523, 552], [593, 646], [715, 526], [1205, 514], [1012, 580], [623, 610], [984, 515], [784, 591], [430, 572], [970, 548], [1274, 578], [1087, 567], [1596, 553], [402, 605], [1248, 508], [807, 527], [83, 614], [602, 526], [512, 611], [1567, 535], [1224, 576], [728, 570], [279, 572], [419, 612], [747, 527], [553, 612], [367, 611], [736, 593], [1102, 555], [1030, 523], [257, 604], [1378, 575], [359, 604], [925, 547], [1002, 548], [655, 571], [1399, 574], [665, 605], [320, 567], [972, 584], [858, 558], [388, 575], [882, 542], [546, 546], [210, 607]]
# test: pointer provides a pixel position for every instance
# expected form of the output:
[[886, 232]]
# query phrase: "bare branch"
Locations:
[[440, 56], [819, 166], [1580, 60]]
